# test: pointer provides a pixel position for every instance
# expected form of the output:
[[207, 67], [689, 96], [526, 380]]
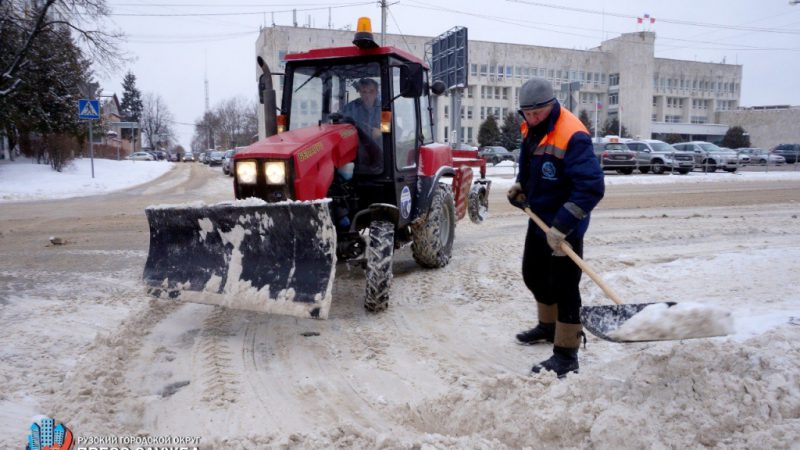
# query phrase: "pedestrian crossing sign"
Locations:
[[88, 109]]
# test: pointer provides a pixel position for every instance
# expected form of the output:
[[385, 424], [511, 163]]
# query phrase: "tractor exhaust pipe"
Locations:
[[266, 95]]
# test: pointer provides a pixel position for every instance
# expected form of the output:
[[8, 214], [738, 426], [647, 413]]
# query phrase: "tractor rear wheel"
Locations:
[[433, 234], [379, 265]]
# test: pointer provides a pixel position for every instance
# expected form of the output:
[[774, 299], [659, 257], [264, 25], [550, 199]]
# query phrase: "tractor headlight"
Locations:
[[275, 172], [246, 172]]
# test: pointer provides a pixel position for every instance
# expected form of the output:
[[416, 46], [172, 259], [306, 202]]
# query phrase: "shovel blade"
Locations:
[[602, 320]]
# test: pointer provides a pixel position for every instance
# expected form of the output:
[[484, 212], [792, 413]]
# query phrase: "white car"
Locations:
[[141, 156]]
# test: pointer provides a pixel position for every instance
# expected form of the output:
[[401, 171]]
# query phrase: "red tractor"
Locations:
[[337, 177]]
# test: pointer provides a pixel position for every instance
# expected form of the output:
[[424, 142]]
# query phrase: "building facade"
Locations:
[[621, 78]]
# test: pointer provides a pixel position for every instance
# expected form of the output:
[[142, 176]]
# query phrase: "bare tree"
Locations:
[[156, 120], [23, 23]]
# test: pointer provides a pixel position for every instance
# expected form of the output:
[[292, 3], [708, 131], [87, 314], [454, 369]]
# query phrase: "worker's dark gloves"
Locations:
[[516, 196], [554, 239]]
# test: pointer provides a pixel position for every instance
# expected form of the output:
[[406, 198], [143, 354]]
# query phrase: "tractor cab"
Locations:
[[383, 93]]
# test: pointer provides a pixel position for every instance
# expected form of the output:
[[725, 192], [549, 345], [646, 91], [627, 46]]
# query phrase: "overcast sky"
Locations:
[[176, 44]]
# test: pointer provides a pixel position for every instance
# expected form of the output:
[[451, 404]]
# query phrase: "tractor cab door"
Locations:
[[409, 130]]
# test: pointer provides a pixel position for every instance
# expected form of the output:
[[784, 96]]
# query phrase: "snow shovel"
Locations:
[[656, 323]]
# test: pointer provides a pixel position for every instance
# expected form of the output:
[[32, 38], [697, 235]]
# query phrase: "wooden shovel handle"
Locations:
[[578, 261]]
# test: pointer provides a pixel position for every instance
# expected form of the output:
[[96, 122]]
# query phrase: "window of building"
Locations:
[[699, 119], [509, 71], [653, 118], [500, 72], [469, 134], [505, 93], [446, 109], [469, 112], [483, 112], [603, 78], [613, 79], [672, 119], [497, 90], [655, 101], [613, 99], [473, 70], [483, 70]]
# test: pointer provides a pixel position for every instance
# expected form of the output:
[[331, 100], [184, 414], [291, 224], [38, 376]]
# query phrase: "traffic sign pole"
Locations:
[[91, 147], [90, 110]]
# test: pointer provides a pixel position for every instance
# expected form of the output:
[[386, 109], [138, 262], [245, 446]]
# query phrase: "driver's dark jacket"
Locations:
[[365, 118], [558, 167]]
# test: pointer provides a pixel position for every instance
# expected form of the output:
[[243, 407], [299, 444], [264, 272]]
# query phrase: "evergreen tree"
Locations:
[[584, 118], [488, 133], [611, 128], [510, 135], [736, 137], [131, 105]]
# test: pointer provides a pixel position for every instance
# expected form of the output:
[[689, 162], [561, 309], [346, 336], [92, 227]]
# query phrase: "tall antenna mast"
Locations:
[[205, 76]]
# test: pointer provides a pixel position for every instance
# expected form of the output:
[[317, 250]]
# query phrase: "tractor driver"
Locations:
[[365, 112]]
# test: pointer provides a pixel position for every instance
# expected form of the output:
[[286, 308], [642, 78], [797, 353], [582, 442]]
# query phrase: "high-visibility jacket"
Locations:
[[559, 172]]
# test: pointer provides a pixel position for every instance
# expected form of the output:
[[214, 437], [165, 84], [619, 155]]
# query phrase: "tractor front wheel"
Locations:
[[433, 234], [379, 265]]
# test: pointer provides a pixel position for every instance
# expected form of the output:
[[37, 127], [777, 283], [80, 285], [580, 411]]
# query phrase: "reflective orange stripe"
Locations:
[[555, 142]]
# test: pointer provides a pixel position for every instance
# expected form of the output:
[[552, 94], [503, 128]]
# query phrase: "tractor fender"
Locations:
[[378, 211], [426, 186]]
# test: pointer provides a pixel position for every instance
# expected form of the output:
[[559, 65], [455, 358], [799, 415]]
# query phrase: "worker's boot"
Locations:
[[545, 331], [565, 350]]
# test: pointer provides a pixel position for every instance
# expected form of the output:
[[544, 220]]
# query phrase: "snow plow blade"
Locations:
[[267, 257]]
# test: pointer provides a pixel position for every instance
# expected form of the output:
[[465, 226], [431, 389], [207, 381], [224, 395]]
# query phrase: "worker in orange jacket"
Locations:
[[561, 181]]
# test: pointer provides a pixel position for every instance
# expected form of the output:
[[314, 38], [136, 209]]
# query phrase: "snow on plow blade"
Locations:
[[267, 257]]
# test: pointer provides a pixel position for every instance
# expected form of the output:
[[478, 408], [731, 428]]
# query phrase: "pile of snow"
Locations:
[[660, 321], [24, 180]]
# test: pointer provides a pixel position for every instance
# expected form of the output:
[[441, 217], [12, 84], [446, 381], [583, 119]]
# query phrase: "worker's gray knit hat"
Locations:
[[536, 93]]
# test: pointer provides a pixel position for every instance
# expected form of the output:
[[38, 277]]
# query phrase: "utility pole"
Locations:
[[383, 22]]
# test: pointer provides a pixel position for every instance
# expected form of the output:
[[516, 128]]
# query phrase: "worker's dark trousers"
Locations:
[[552, 279]]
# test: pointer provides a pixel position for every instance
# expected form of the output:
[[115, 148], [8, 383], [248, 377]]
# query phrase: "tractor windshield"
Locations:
[[350, 90], [319, 90]]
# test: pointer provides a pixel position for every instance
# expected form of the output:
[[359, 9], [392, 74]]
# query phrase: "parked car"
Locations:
[[615, 156], [227, 161], [188, 156], [214, 158], [464, 146], [762, 157], [790, 152], [141, 156], [658, 157], [495, 154], [709, 157]]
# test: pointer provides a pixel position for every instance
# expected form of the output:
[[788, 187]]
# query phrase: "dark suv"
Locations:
[[791, 152]]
